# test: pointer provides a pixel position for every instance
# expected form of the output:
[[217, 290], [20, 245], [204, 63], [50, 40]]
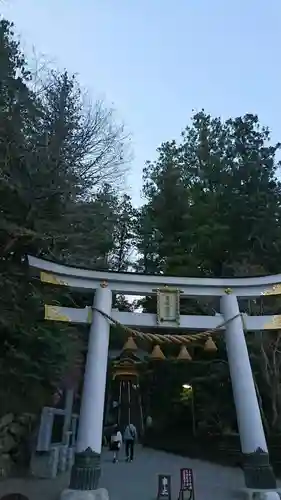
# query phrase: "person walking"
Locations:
[[116, 443], [130, 436]]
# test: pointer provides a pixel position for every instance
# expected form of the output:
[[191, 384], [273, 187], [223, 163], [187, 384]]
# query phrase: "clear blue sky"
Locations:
[[156, 60]]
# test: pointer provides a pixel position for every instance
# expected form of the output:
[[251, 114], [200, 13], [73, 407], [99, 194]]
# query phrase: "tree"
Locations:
[[83, 136], [265, 355], [148, 260], [124, 234], [55, 153], [89, 240], [32, 355], [223, 178], [18, 115], [213, 209]]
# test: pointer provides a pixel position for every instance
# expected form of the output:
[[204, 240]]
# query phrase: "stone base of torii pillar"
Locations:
[[100, 494], [255, 494]]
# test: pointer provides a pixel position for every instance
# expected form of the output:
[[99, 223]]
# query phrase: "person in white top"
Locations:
[[116, 443]]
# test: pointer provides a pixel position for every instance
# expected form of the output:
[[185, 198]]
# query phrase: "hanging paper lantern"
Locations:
[[130, 345], [157, 353], [210, 345], [184, 354]]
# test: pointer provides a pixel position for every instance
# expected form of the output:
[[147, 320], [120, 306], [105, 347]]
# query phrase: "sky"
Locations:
[[156, 61]]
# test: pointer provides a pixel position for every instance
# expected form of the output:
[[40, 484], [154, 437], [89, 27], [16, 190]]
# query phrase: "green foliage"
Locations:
[[213, 200], [56, 154], [213, 209]]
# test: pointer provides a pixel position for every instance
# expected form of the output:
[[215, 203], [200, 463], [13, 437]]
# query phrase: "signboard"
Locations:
[[187, 485], [168, 305], [164, 487]]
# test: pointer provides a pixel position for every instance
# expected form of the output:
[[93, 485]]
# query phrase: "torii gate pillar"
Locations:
[[257, 470], [86, 469]]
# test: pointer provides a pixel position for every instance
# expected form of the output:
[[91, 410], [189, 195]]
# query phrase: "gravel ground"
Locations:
[[138, 480]]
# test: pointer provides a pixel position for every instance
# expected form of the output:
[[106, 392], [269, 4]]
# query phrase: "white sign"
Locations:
[[168, 305]]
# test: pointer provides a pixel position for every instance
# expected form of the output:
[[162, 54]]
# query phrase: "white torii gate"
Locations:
[[86, 469]]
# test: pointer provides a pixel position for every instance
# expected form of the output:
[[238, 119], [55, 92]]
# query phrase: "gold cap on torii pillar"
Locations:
[[104, 284]]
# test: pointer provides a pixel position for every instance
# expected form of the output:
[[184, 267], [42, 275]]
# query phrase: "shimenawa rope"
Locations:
[[168, 338]]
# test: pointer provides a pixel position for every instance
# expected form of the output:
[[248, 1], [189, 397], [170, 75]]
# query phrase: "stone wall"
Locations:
[[15, 446]]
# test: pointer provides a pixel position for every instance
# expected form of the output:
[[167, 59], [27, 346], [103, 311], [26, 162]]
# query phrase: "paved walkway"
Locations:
[[138, 480]]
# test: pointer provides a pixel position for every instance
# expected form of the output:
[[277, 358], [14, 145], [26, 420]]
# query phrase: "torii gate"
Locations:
[[86, 469]]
